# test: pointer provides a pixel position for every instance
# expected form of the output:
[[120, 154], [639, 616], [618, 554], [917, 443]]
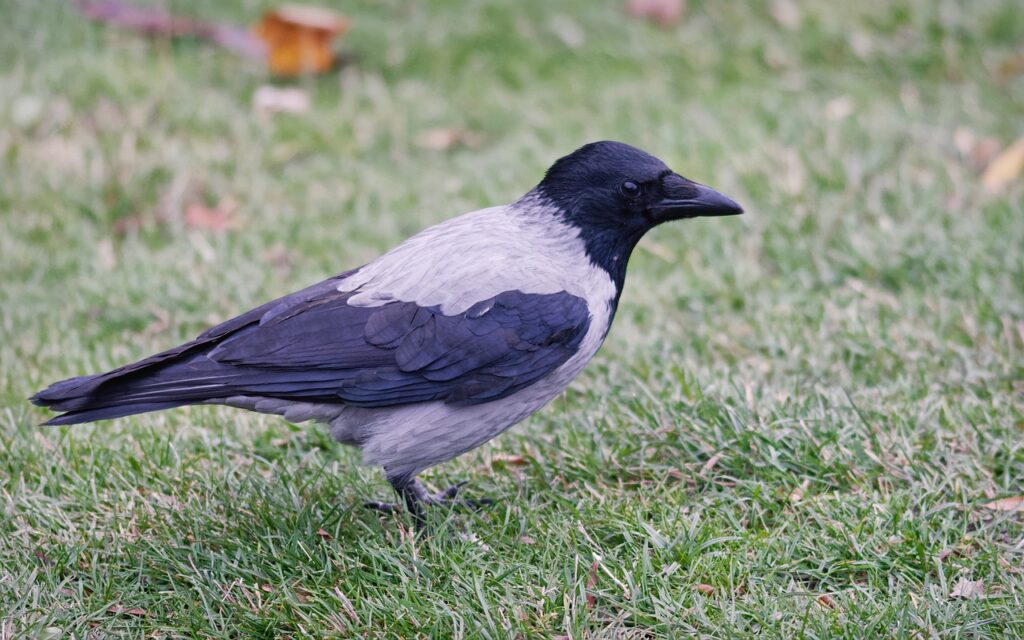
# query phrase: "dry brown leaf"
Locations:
[[156, 22], [444, 138], [798, 494], [270, 99], [1005, 167], [825, 600], [967, 589], [124, 611], [267, 588], [662, 12], [298, 38], [710, 464], [591, 583], [979, 151], [219, 218], [1016, 503], [706, 589], [323, 534], [507, 459], [1010, 68]]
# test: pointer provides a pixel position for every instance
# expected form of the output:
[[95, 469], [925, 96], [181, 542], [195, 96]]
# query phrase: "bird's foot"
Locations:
[[416, 496], [448, 497]]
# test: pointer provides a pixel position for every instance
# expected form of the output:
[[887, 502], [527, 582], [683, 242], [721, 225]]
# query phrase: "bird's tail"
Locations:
[[163, 381]]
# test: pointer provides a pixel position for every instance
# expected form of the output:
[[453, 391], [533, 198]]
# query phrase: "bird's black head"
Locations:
[[615, 193]]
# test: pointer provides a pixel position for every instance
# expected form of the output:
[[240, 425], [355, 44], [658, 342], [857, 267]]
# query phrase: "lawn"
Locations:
[[794, 427]]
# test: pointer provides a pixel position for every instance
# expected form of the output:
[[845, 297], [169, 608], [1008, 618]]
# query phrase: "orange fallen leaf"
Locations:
[[298, 38], [1004, 168], [663, 12], [1016, 503], [125, 611], [706, 589], [825, 600]]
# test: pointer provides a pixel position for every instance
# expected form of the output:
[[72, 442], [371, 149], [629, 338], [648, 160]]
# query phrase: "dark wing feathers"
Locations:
[[314, 346], [401, 352]]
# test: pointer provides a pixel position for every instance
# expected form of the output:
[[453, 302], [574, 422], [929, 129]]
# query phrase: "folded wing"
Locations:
[[315, 346]]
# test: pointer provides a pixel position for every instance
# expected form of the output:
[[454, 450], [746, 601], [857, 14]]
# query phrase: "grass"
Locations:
[[803, 409]]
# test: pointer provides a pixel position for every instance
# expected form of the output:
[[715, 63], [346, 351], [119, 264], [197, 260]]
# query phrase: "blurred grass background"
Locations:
[[791, 431]]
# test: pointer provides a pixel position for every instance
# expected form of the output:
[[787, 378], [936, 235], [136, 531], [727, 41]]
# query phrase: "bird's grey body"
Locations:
[[440, 344], [492, 257]]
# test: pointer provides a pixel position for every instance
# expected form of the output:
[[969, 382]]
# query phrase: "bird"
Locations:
[[440, 344]]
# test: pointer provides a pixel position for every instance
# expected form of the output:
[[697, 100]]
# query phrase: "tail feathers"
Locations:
[[107, 413], [130, 390]]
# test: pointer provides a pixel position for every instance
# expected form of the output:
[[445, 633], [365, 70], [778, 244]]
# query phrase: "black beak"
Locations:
[[686, 199]]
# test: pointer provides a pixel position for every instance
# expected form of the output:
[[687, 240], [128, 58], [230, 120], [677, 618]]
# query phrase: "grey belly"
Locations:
[[410, 438]]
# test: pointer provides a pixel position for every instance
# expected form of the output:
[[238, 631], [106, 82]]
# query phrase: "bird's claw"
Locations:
[[420, 496], [383, 507], [447, 496]]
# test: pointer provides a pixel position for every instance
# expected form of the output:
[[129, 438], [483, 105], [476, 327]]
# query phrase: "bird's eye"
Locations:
[[630, 189]]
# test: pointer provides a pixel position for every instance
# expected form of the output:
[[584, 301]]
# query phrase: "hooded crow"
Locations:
[[440, 344]]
